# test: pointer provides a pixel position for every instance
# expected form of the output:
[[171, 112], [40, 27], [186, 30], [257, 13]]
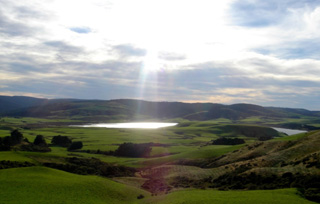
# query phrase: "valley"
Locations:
[[186, 163]]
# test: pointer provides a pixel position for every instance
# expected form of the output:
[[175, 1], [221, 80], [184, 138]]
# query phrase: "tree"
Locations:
[[63, 141], [75, 145], [16, 137], [228, 141], [5, 143], [133, 150], [40, 141]]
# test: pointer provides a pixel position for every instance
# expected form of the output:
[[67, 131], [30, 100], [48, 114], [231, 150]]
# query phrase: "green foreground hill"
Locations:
[[48, 186], [44, 185], [183, 160]]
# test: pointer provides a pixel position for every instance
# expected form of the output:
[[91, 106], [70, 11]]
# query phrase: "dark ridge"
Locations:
[[9, 103], [130, 109]]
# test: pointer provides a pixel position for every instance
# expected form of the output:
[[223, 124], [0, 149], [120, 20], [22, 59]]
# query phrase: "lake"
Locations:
[[142, 125], [289, 131]]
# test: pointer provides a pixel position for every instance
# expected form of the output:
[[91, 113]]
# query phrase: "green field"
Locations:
[[282, 196], [44, 185], [188, 142]]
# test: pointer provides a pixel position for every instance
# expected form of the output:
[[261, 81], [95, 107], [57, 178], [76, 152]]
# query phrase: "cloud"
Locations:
[[64, 48], [127, 50], [257, 13], [14, 28], [26, 12], [18, 20], [298, 49], [263, 52], [171, 56], [36, 95], [81, 30], [3, 86]]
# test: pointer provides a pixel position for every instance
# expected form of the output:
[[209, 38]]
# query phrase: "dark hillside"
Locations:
[[294, 112], [275, 154], [68, 108], [165, 109], [273, 159], [9, 103], [234, 112], [129, 109]]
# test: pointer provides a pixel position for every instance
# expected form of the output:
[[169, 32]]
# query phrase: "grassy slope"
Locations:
[[282, 196], [264, 158], [44, 185], [187, 141], [89, 189], [14, 156]]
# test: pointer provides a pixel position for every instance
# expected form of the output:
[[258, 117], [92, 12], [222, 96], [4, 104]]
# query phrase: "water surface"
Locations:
[[142, 125], [289, 131]]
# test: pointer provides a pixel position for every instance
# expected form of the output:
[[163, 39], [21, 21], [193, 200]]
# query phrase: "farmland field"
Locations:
[[182, 159]]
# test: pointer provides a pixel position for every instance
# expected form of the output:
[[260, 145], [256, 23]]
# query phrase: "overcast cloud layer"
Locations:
[[231, 51]]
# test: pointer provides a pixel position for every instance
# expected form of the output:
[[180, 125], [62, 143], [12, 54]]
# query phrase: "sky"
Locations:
[[230, 51]]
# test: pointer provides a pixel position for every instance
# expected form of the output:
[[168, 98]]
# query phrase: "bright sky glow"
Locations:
[[231, 51]]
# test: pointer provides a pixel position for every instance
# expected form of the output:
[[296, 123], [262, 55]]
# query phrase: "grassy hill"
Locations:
[[184, 159], [282, 196], [9, 103], [132, 110], [45, 185]]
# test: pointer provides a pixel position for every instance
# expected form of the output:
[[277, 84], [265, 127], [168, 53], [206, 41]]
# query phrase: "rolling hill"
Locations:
[[128, 109], [10, 103]]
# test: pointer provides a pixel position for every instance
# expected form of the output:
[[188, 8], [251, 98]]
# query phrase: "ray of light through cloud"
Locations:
[[232, 51]]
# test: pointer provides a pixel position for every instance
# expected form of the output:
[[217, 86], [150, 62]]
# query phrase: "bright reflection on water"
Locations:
[[143, 125], [289, 131]]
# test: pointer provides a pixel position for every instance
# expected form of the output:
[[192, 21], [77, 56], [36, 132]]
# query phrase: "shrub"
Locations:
[[133, 150], [40, 141], [75, 145], [16, 137], [140, 196], [227, 141], [312, 194], [5, 143], [63, 141]]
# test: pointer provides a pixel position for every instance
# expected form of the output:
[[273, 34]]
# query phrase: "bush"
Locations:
[[140, 196], [92, 166], [75, 145], [4, 164], [312, 194], [33, 148], [62, 141], [133, 150], [16, 137], [5, 143], [227, 141], [40, 141]]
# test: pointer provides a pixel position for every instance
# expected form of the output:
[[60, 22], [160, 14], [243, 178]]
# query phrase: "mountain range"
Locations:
[[130, 109]]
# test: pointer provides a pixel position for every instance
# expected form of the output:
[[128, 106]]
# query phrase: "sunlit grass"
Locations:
[[281, 196], [14, 156], [43, 185]]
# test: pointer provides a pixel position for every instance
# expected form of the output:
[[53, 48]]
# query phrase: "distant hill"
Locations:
[[9, 103], [129, 109], [234, 112]]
